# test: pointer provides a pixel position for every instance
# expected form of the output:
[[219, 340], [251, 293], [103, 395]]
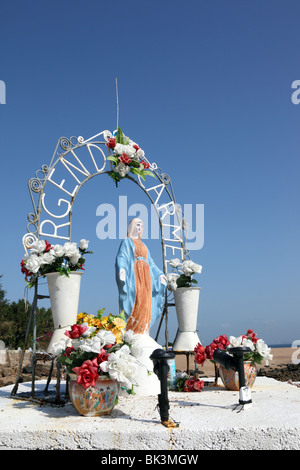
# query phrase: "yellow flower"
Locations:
[[118, 334], [80, 317], [119, 323]]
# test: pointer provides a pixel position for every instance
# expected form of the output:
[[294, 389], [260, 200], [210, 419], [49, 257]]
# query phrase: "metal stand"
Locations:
[[37, 356]]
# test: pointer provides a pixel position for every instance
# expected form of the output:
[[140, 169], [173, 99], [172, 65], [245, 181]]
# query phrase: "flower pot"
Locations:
[[230, 378], [94, 401], [186, 304], [64, 298]]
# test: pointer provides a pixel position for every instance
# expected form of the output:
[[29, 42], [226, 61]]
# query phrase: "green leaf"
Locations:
[[100, 313], [149, 173], [113, 159], [120, 136]]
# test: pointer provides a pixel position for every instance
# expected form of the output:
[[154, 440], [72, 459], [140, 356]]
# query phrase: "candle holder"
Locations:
[[161, 368], [236, 363]]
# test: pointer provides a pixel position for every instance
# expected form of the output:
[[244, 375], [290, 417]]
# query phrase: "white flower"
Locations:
[[74, 258], [263, 349], [122, 169], [33, 263], [70, 248], [140, 153], [71, 252], [46, 258], [248, 344], [89, 331], [189, 267], [38, 246], [171, 279], [128, 149], [57, 348], [174, 263], [121, 366], [235, 342], [95, 344], [134, 340], [84, 244], [58, 251]]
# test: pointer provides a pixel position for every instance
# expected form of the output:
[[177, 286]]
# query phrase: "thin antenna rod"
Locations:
[[117, 94]]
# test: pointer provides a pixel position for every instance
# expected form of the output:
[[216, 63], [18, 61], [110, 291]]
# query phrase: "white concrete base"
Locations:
[[206, 421]]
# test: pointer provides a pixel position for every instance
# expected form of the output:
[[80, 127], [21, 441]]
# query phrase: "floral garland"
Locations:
[[127, 157]]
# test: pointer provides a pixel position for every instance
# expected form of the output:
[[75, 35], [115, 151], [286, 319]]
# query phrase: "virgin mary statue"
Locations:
[[142, 288], [141, 283]]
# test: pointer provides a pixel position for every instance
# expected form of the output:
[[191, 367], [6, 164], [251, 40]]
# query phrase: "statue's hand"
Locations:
[[122, 274], [163, 279]]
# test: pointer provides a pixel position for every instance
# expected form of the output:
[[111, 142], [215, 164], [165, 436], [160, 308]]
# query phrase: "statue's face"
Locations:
[[138, 227]]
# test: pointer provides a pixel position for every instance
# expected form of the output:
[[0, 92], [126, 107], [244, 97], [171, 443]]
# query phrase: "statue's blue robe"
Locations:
[[125, 259]]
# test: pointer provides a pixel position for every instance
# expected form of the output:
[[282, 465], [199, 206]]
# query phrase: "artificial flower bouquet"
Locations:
[[93, 351], [127, 157], [259, 350], [182, 274], [45, 258], [185, 383]]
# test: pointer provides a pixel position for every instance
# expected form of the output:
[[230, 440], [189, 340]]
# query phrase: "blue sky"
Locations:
[[205, 89]]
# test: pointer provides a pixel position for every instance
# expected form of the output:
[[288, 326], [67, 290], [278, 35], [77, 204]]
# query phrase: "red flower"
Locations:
[[76, 331], [210, 349], [221, 342], [145, 164], [124, 158], [136, 147], [193, 385], [200, 354], [48, 246], [102, 357], [252, 336], [68, 351], [111, 143], [24, 270], [87, 374]]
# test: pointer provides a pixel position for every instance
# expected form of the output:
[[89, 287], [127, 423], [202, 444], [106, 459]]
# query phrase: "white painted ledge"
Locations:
[[206, 421]]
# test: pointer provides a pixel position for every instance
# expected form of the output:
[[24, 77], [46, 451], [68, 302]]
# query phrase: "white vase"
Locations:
[[64, 299], [186, 304]]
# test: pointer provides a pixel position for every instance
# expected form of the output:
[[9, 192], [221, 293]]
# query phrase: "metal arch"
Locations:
[[66, 148]]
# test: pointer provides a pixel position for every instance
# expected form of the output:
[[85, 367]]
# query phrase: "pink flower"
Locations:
[[76, 331], [111, 143], [87, 374]]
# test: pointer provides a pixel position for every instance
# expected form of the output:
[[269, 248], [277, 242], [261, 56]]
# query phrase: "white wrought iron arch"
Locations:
[[160, 193]]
